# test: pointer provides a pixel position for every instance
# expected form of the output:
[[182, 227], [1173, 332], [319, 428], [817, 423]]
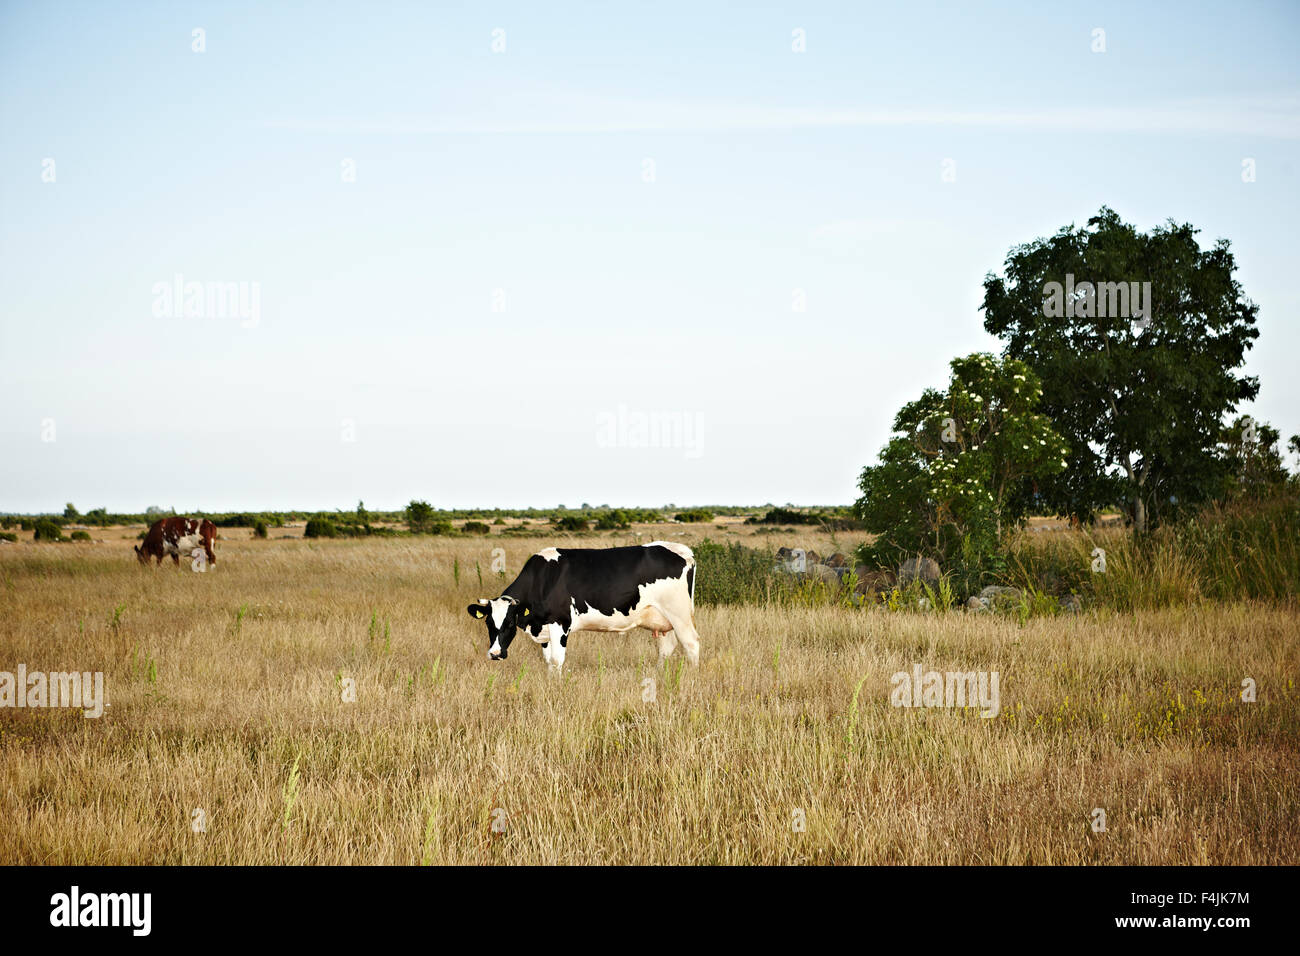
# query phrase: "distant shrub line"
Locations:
[[603, 517], [830, 520]]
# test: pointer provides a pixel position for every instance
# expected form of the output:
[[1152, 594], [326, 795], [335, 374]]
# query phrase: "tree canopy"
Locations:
[[1137, 338]]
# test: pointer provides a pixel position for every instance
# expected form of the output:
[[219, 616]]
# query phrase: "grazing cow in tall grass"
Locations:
[[561, 590], [175, 536]]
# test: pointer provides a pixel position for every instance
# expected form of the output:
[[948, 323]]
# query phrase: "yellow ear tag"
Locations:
[[478, 613], [526, 612]]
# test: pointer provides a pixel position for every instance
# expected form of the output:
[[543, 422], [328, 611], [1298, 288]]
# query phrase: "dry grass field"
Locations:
[[225, 692]]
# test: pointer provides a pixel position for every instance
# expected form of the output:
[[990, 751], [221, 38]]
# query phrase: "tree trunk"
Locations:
[[1139, 503], [1139, 514]]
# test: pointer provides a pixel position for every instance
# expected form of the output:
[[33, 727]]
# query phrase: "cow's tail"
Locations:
[[690, 577], [689, 556]]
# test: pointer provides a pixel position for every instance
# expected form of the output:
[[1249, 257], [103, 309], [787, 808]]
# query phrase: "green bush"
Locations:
[[784, 516], [949, 482], [47, 530], [320, 528], [613, 520], [259, 529], [571, 523], [8, 536], [81, 536], [476, 527], [695, 516], [735, 574], [841, 522], [832, 520], [347, 527], [233, 521], [519, 532], [246, 519]]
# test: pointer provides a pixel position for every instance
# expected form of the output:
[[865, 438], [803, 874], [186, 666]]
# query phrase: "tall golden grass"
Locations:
[[1244, 549], [225, 693]]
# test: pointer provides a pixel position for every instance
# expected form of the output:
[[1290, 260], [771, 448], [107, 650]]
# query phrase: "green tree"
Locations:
[[951, 479], [1138, 384], [70, 512], [1254, 460], [419, 517]]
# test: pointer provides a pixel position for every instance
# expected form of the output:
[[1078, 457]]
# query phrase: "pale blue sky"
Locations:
[[523, 171]]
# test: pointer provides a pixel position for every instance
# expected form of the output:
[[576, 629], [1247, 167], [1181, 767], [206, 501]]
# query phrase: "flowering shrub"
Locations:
[[951, 483]]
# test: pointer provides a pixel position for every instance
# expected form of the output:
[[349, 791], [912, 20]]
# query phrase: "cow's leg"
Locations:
[[160, 559], [666, 642], [557, 642], [684, 627], [176, 559], [207, 546]]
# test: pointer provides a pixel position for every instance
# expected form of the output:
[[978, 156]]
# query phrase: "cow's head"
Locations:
[[140, 555], [504, 617]]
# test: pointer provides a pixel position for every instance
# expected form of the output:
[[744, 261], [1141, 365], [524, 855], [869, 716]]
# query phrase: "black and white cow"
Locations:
[[561, 590]]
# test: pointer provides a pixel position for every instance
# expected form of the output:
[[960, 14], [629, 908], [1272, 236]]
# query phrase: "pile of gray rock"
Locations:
[[872, 582], [810, 566], [995, 597]]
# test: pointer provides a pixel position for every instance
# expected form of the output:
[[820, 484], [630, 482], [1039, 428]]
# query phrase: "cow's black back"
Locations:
[[604, 579]]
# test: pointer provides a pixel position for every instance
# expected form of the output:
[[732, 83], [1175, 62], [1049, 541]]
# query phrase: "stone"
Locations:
[[924, 569]]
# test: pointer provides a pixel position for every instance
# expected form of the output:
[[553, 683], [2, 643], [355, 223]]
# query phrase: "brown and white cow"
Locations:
[[177, 536]]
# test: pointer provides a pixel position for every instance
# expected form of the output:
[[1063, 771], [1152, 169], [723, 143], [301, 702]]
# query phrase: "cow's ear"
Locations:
[[476, 610]]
